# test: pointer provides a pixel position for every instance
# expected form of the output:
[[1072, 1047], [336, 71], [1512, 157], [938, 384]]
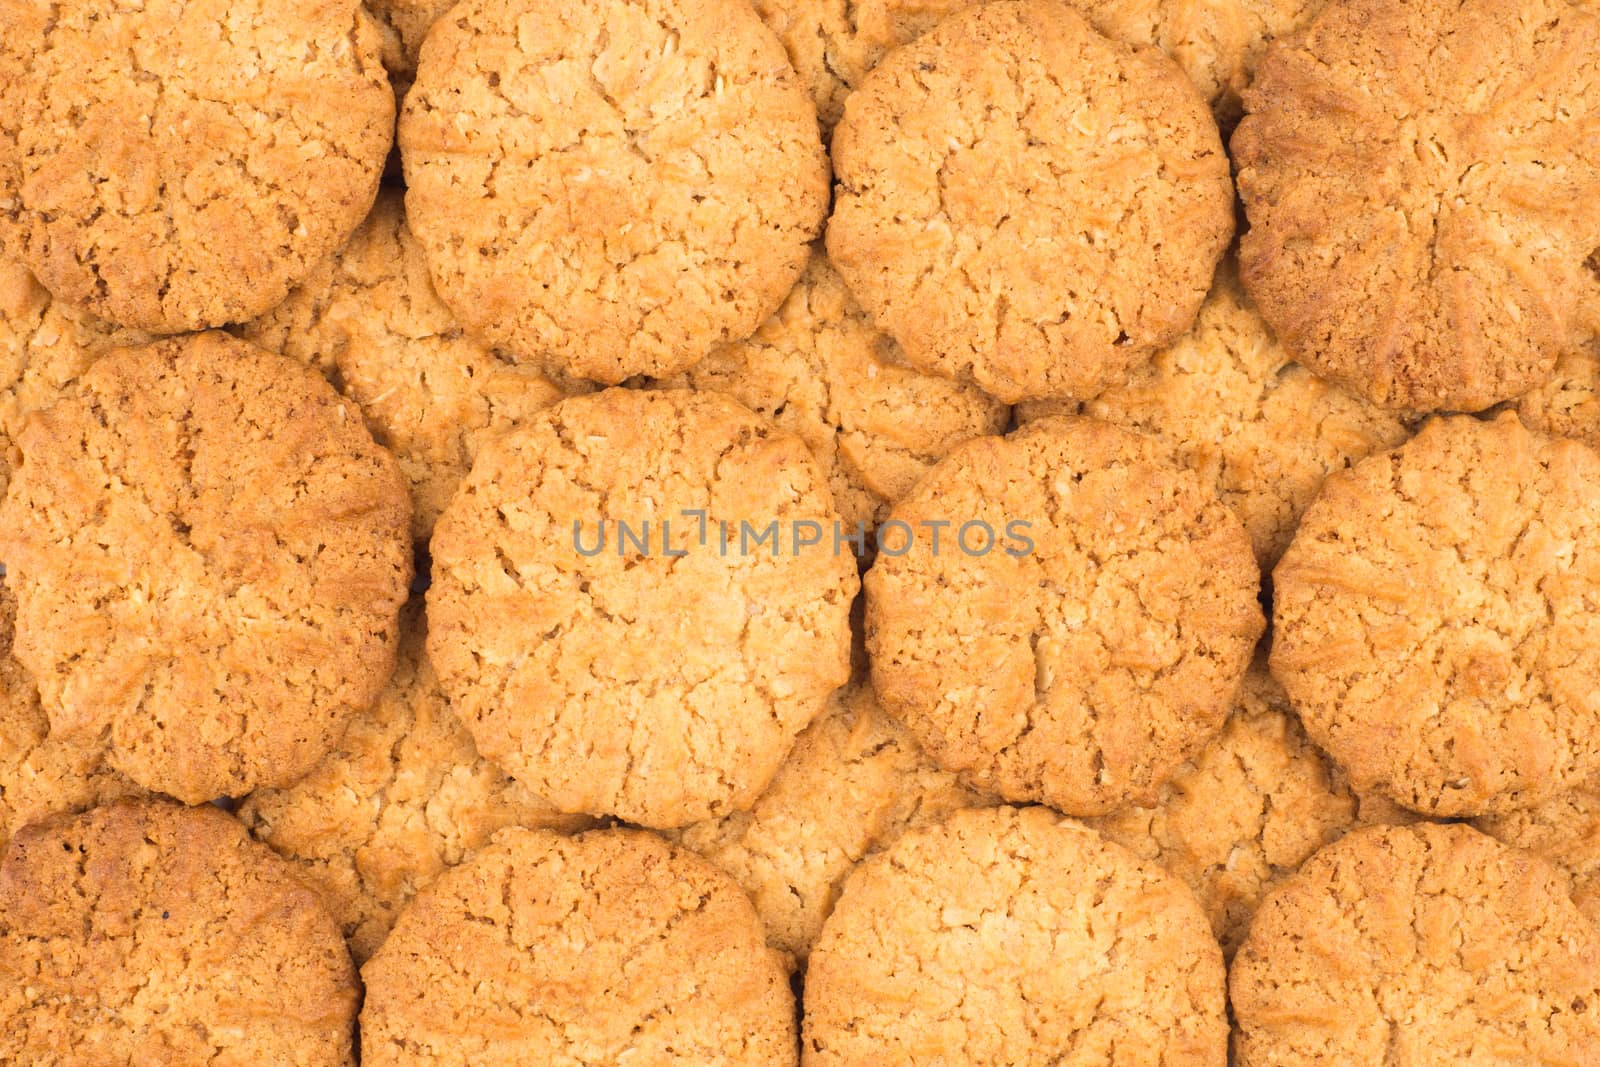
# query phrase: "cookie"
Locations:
[[172, 165], [1418, 944], [610, 947], [624, 613], [1434, 619], [1568, 404], [853, 784], [1565, 830], [403, 797], [1246, 812], [614, 188], [1027, 205], [369, 319], [209, 554], [144, 932], [405, 24], [1018, 937], [44, 345], [818, 368], [40, 776], [1080, 625], [1229, 403], [1423, 187]]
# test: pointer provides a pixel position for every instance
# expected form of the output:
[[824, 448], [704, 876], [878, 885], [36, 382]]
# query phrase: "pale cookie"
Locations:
[[1434, 620], [608, 948], [611, 188], [1423, 186], [148, 933], [853, 784], [1568, 404], [1007, 936], [1229, 403], [209, 554], [40, 776], [818, 368], [1424, 944], [403, 797], [1244, 814], [368, 318], [177, 164], [1087, 642], [1564, 829], [1027, 205], [606, 623], [44, 346]]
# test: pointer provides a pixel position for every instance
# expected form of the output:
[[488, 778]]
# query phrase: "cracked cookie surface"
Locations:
[[1419, 944], [1435, 623], [613, 188], [174, 165], [1232, 405], [209, 553], [611, 947], [1027, 205], [1083, 672], [1018, 937], [144, 932], [1423, 187], [1568, 403], [820, 369], [658, 678], [1564, 829], [369, 319], [403, 797], [855, 781]]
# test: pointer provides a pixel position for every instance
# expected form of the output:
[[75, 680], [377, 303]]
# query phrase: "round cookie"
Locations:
[[1434, 618], [818, 368], [368, 318], [1423, 186], [172, 165], [853, 784], [1017, 937], [209, 554], [1246, 812], [403, 797], [1230, 404], [1027, 205], [144, 932], [40, 776], [1568, 404], [1418, 944], [606, 948], [1095, 645], [44, 345], [1564, 829], [606, 622], [613, 188]]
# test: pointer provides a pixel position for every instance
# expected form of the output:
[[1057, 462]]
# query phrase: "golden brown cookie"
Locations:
[[611, 619], [209, 553], [1230, 404], [172, 165], [1423, 186], [1424, 944], [611, 947], [41, 776], [1434, 620], [1568, 404], [854, 783], [44, 345], [1026, 204], [818, 368], [368, 318], [1081, 625], [405, 24], [1017, 937], [403, 797], [145, 933], [612, 188], [1564, 829], [1245, 813]]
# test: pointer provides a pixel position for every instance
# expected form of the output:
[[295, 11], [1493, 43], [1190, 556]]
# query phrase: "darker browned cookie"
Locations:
[[1423, 186]]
